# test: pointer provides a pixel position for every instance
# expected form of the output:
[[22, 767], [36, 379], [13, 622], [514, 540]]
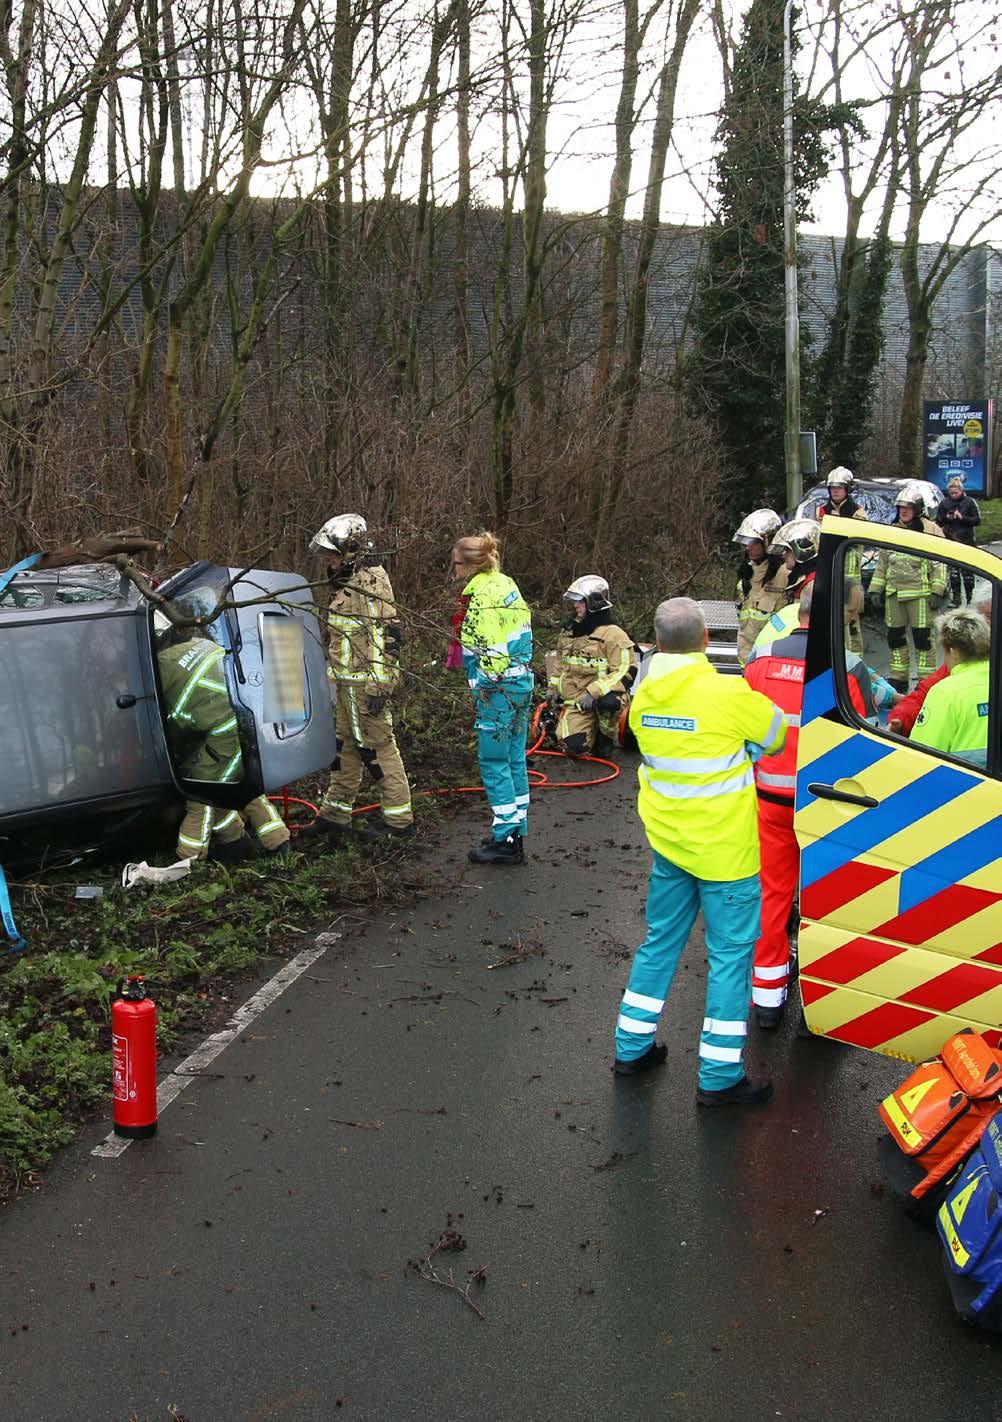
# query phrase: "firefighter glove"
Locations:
[[585, 701], [937, 601], [874, 602], [375, 705], [552, 696]]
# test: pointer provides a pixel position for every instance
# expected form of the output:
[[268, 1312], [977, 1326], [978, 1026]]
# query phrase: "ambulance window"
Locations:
[[908, 617]]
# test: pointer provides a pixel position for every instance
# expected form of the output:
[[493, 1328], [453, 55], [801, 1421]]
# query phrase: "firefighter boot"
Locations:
[[333, 831], [381, 831], [510, 850], [235, 851]]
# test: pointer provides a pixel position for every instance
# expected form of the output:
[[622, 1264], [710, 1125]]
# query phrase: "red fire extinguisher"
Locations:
[[134, 1058]]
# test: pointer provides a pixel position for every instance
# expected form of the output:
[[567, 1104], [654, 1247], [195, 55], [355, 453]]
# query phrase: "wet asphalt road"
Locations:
[[644, 1259]]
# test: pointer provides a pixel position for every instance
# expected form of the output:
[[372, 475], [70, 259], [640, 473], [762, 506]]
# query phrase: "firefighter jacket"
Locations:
[[364, 642], [777, 671], [496, 631], [596, 661], [954, 715], [958, 518], [698, 732], [909, 575], [201, 725], [848, 509], [761, 591]]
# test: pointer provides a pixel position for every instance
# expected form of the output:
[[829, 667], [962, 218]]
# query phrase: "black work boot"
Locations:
[[653, 1057], [236, 851], [743, 1093], [768, 1018], [380, 831], [321, 828], [509, 850]]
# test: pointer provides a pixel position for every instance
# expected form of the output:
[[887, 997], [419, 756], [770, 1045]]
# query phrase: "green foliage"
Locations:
[[736, 374], [186, 937]]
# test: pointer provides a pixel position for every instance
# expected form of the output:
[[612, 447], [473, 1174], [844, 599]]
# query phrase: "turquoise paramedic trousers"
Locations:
[[502, 725], [731, 915]]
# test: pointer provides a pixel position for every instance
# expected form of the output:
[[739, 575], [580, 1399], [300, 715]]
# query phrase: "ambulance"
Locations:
[[901, 845]]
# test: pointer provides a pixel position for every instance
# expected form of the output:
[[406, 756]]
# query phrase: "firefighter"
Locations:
[[761, 588], [841, 503], [202, 729], [697, 732], [954, 714], [591, 671], [958, 516], [798, 542], [908, 588], [363, 651], [495, 642], [778, 672]]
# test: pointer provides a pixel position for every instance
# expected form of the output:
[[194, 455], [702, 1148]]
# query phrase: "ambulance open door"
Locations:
[[901, 843]]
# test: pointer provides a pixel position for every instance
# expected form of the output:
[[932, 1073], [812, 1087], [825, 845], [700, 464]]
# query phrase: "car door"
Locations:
[[901, 842], [276, 676]]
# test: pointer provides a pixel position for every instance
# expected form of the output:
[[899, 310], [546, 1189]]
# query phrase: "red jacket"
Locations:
[[906, 710], [778, 672]]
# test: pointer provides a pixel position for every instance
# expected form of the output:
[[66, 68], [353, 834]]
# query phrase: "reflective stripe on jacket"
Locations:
[[778, 673], [496, 633], [910, 575], [780, 624], [201, 723], [698, 732], [954, 715], [596, 663], [358, 617], [764, 596]]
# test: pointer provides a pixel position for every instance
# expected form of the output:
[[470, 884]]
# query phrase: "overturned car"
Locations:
[[85, 759]]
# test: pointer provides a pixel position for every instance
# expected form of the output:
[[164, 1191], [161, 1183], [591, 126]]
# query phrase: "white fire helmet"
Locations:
[[345, 534], [912, 493], [592, 590], [841, 475], [802, 536], [760, 525]]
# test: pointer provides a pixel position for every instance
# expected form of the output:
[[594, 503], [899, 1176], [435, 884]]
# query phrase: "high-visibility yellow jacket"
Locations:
[[364, 634], [698, 733], [764, 596], [782, 622], [910, 575], [201, 726], [496, 632], [596, 663], [954, 715]]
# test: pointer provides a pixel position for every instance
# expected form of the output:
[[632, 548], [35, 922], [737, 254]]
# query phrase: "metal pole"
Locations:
[[794, 483]]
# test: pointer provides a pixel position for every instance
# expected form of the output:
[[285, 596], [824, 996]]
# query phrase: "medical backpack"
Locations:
[[935, 1116], [970, 1226]]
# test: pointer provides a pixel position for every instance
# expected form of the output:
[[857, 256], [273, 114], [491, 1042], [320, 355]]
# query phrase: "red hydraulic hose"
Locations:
[[538, 779]]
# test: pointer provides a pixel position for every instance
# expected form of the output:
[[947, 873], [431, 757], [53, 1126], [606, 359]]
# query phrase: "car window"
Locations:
[[903, 638], [22, 597]]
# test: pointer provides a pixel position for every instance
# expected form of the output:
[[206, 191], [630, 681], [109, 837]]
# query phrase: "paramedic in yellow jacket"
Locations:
[[203, 735], [591, 671], [761, 588], [698, 734], [909, 588], [363, 651]]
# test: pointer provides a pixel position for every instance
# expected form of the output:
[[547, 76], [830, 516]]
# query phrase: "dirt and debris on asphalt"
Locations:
[[413, 1188]]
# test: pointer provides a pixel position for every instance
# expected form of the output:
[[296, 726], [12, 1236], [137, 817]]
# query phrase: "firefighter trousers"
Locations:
[[502, 725], [577, 731], [731, 915], [365, 741], [900, 614], [780, 872], [202, 821]]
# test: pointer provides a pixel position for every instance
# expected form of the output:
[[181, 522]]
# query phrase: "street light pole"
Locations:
[[794, 483]]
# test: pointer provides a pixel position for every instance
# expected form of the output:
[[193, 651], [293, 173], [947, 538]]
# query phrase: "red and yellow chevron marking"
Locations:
[[901, 903]]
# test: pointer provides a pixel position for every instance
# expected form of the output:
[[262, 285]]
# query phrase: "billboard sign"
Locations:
[[958, 439]]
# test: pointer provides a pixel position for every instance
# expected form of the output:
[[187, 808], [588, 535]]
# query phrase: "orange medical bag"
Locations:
[[938, 1113]]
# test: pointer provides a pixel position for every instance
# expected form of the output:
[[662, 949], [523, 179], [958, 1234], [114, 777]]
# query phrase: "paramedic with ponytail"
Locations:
[[698, 733], [494, 642]]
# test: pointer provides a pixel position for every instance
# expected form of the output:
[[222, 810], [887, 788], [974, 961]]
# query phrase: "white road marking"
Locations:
[[171, 1087]]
